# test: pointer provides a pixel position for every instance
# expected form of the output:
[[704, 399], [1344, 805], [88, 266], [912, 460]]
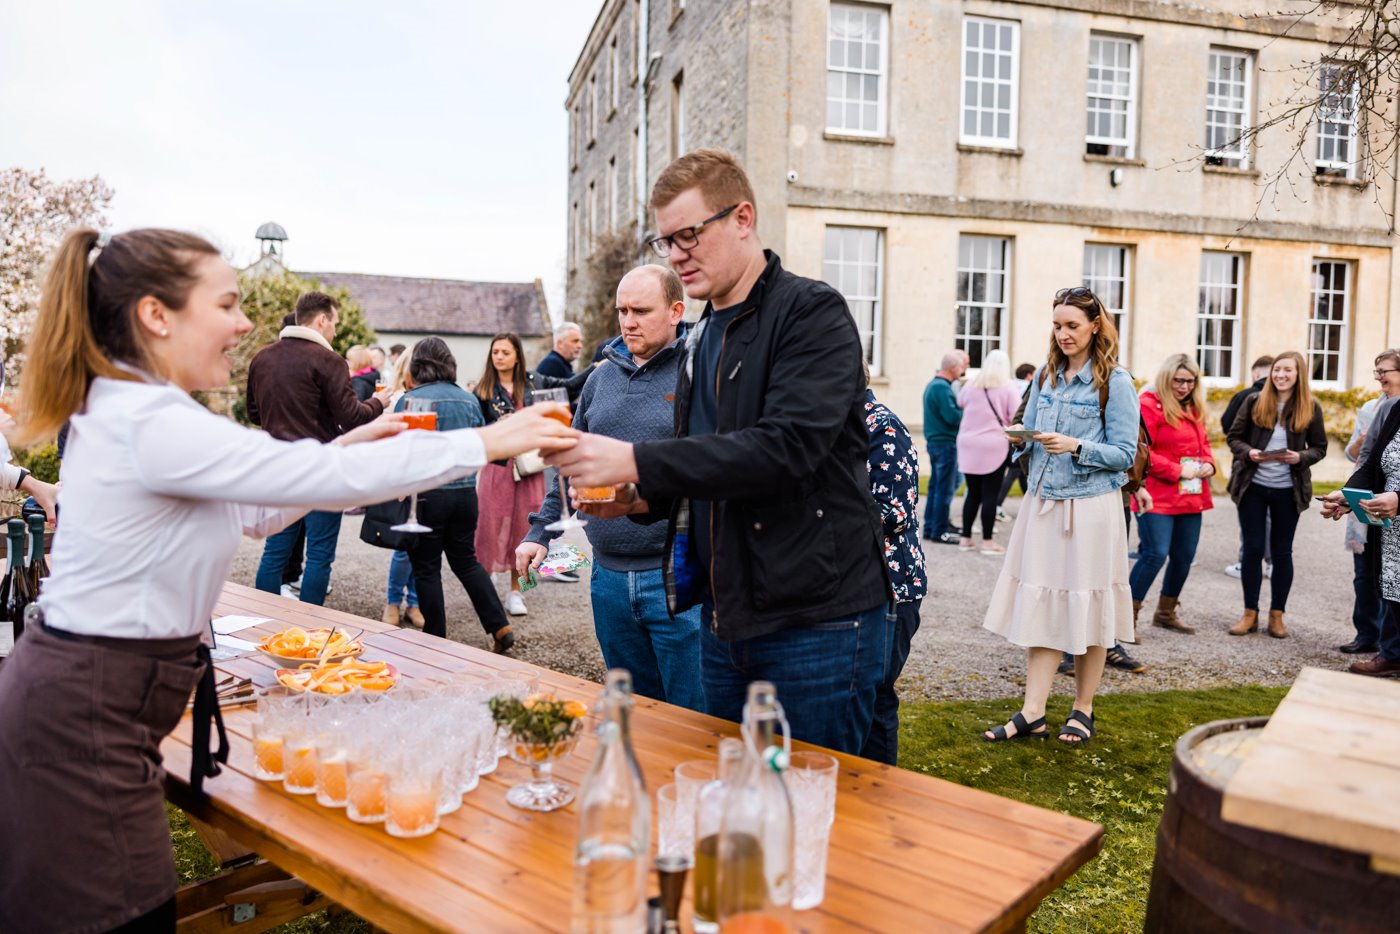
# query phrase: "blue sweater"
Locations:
[[632, 403]]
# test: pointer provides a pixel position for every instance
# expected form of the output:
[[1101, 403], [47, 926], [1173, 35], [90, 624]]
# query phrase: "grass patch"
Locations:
[[1119, 781]]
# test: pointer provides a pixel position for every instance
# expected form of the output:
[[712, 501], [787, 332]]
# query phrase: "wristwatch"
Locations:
[[1077, 449], [23, 475]]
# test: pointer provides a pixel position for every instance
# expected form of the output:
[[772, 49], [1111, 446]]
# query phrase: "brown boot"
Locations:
[[414, 616], [1166, 616], [1247, 624], [1276, 627], [391, 615], [1137, 608]]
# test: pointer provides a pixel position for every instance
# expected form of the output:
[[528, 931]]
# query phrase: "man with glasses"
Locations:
[[772, 528], [1368, 613]]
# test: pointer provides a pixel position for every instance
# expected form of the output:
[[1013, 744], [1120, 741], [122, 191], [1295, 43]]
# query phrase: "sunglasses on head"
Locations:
[[1077, 294]]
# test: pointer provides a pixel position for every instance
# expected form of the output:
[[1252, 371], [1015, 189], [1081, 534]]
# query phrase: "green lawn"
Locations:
[[1120, 781]]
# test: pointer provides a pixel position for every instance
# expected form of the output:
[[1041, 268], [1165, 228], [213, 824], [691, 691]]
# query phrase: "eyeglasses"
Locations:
[[686, 237], [1378, 374], [1079, 293], [1183, 382]]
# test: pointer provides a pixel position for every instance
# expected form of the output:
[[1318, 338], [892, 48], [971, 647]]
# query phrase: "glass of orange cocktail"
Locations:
[[267, 750], [418, 415], [567, 520]]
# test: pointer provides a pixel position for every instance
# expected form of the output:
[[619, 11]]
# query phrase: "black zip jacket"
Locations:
[[796, 537]]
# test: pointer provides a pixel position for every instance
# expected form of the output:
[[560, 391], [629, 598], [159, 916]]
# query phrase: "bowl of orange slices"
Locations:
[[342, 677], [293, 646]]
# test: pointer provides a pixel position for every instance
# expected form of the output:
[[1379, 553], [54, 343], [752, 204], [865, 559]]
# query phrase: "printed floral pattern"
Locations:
[[894, 482]]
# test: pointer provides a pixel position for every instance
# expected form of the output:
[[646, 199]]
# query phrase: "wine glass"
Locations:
[[568, 520], [418, 414]]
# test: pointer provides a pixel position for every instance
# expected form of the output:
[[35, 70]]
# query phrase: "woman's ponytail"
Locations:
[[63, 356]]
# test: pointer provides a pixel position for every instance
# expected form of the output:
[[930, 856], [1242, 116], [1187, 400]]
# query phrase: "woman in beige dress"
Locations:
[[1064, 583]]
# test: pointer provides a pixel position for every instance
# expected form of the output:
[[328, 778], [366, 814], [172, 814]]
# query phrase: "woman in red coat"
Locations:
[[1178, 478]]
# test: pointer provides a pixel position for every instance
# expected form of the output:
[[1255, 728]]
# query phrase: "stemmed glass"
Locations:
[[568, 520], [418, 414]]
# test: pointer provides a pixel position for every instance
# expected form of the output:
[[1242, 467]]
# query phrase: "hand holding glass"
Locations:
[[568, 520], [418, 414]]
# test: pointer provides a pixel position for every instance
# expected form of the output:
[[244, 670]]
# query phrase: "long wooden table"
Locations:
[[908, 852]]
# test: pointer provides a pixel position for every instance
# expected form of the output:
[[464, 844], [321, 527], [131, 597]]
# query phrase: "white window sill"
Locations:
[[1115, 160], [1229, 170], [991, 149], [1340, 180]]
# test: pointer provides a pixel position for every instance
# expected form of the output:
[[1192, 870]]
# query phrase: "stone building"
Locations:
[[949, 163]]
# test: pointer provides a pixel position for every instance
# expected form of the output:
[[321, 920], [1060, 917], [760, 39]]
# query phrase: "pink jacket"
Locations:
[[982, 447]]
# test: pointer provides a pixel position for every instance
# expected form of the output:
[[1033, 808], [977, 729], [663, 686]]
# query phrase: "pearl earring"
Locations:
[[164, 332]]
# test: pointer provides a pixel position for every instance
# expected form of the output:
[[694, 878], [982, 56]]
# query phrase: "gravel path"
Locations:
[[953, 657]]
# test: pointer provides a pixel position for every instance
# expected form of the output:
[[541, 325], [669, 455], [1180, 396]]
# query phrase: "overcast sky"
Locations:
[[414, 137]]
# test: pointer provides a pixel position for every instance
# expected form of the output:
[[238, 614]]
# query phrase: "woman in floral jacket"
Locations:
[[894, 482]]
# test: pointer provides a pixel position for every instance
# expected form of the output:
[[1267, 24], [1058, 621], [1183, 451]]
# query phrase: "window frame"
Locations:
[[1238, 158], [678, 115], [1333, 167], [1014, 82], [614, 75], [875, 357], [1343, 325], [1122, 315], [593, 108], [963, 337], [1130, 143], [882, 74], [1236, 343]]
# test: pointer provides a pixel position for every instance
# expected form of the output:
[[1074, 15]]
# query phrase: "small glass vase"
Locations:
[[542, 792]]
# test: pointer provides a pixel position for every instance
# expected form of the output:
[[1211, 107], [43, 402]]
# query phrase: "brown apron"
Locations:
[[84, 840]]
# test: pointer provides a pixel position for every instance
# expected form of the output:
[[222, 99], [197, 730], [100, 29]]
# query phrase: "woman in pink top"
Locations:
[[989, 403]]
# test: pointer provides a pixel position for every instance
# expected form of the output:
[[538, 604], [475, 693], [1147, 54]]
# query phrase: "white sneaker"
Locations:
[[1269, 569], [288, 592], [1233, 570], [563, 577], [515, 604]]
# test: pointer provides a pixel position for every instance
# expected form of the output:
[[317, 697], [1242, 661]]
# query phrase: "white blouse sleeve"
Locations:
[[181, 449]]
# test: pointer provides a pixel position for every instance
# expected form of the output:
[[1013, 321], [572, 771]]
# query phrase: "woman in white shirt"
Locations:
[[157, 491]]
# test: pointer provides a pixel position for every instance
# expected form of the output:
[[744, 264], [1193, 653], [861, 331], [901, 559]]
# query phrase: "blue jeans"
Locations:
[[322, 533], [942, 484], [637, 633], [883, 743], [1161, 538], [826, 675], [401, 585]]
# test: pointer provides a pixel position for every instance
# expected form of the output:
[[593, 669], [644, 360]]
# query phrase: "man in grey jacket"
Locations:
[[631, 397]]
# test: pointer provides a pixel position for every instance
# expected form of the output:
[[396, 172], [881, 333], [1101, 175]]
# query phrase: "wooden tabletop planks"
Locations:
[[1326, 768], [908, 852]]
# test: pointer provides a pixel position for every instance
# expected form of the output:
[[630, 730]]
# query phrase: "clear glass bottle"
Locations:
[[614, 827], [709, 812], [754, 878]]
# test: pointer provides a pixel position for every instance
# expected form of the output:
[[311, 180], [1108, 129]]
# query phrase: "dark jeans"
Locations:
[[292, 572], [1258, 505], [883, 744], [1161, 538], [1014, 475], [942, 484], [451, 514], [826, 675], [1390, 631], [1368, 612], [982, 492], [322, 531]]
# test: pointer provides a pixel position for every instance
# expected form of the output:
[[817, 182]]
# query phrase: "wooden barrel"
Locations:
[[1214, 877]]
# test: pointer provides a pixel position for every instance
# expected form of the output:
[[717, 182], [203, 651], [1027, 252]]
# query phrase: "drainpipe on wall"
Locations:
[[643, 61]]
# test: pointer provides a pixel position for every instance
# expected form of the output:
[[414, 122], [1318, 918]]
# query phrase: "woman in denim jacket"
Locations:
[[1064, 585]]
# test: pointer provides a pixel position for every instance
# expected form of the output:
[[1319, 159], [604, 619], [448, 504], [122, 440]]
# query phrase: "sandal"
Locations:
[[1078, 734], [1024, 730]]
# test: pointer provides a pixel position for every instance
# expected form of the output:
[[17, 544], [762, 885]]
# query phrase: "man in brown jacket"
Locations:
[[300, 388]]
